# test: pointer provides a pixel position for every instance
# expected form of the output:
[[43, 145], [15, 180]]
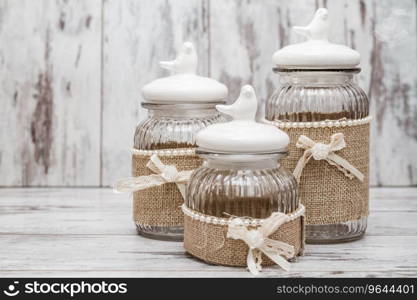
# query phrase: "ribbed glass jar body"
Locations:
[[250, 185], [170, 126], [308, 96], [174, 125], [317, 95]]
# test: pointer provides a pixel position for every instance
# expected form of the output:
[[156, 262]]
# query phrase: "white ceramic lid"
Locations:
[[243, 134], [317, 52], [184, 85]]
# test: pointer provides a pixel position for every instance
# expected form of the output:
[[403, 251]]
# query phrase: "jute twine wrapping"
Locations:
[[328, 195], [160, 206], [208, 242]]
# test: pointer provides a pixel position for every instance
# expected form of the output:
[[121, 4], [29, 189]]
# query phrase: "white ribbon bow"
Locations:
[[163, 174], [320, 151], [258, 241]]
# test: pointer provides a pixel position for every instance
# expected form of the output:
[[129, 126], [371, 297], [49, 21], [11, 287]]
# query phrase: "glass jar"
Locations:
[[253, 185], [318, 95], [171, 126], [178, 107], [241, 177]]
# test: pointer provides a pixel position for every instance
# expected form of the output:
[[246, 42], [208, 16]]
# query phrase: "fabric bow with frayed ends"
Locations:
[[163, 174], [258, 242], [320, 151]]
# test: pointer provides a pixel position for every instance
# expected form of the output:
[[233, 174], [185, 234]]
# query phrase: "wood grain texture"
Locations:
[[384, 32], [50, 92], [144, 258], [72, 73], [243, 37], [137, 35], [230, 273], [101, 212], [41, 228]]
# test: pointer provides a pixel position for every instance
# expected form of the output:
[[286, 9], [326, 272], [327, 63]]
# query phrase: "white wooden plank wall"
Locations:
[[50, 92], [137, 35], [71, 73]]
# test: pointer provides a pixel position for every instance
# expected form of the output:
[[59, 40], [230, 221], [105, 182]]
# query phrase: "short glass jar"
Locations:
[[319, 95], [251, 185], [241, 185]]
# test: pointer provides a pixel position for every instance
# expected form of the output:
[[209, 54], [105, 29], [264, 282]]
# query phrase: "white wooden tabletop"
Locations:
[[88, 232]]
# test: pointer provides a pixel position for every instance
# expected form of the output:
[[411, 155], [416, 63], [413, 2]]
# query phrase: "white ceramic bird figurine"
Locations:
[[244, 108], [185, 62], [318, 29]]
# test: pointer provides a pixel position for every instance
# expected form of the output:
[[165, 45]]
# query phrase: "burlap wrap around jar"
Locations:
[[331, 197], [208, 241], [160, 205]]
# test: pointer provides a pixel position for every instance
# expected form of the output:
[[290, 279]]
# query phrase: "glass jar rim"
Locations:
[[242, 155], [181, 105], [330, 70]]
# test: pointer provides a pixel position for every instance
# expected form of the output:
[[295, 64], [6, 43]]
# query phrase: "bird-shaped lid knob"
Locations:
[[185, 62], [243, 134], [244, 108], [317, 52], [318, 29], [184, 85]]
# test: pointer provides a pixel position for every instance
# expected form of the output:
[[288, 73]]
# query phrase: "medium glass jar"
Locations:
[[252, 185], [318, 97], [171, 126], [178, 107]]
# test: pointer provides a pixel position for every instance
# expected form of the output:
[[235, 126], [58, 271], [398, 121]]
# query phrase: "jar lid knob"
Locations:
[[242, 134], [317, 52], [244, 108], [185, 62], [318, 29]]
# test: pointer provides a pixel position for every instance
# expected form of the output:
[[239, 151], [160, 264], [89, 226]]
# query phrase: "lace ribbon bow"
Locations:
[[320, 151], [163, 174], [258, 241]]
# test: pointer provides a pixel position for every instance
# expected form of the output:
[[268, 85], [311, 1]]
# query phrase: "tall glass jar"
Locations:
[[178, 107], [317, 89]]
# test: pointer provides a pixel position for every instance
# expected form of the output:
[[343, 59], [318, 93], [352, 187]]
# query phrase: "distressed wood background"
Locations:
[[71, 73]]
